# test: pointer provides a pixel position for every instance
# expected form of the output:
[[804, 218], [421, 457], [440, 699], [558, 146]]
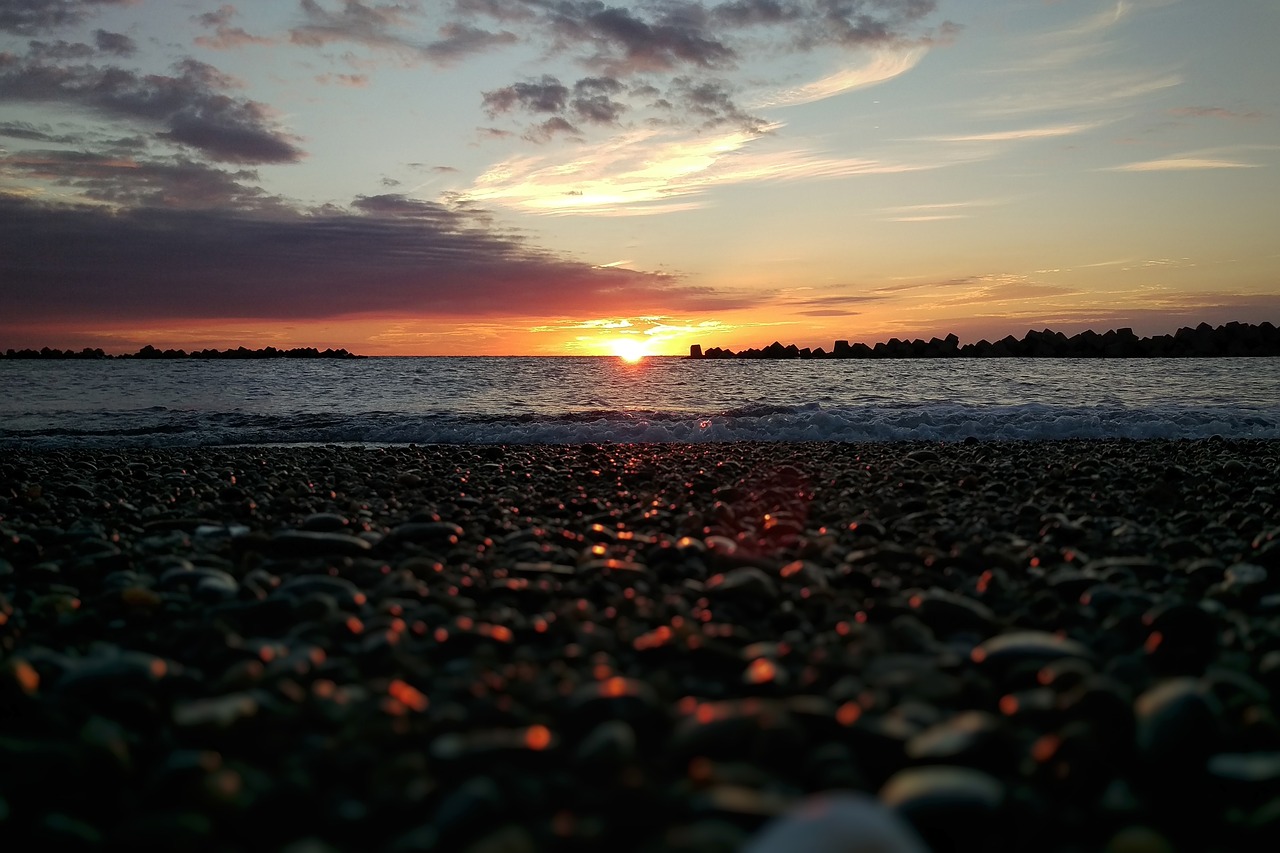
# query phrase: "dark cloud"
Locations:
[[551, 128], [28, 131], [458, 41], [743, 13], [192, 105], [1213, 112], [121, 179], [390, 255], [676, 43], [383, 26], [592, 102], [226, 37], [59, 51], [710, 104], [31, 17], [623, 42], [547, 95], [118, 44]]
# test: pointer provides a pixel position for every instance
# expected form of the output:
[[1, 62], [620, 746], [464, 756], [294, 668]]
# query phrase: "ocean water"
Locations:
[[102, 404]]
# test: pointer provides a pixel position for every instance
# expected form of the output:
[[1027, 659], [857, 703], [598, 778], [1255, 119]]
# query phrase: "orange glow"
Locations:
[[629, 350], [407, 695], [761, 671], [848, 713], [537, 737], [26, 676], [1045, 748]]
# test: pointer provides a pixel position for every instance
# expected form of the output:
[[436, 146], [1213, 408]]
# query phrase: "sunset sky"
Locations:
[[553, 176]]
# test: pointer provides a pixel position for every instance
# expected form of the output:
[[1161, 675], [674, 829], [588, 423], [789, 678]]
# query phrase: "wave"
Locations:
[[161, 427]]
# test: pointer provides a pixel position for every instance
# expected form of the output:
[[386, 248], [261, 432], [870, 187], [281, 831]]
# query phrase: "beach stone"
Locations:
[[746, 583], [947, 612], [342, 591], [1023, 646], [970, 738], [1139, 839], [952, 808], [1253, 768], [325, 522], [1182, 638], [608, 745], [426, 533], [1177, 725], [307, 543]]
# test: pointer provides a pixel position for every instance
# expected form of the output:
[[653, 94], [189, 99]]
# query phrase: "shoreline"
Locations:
[[640, 647]]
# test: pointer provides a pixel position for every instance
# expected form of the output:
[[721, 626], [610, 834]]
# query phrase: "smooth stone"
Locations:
[[1177, 724], [953, 808], [426, 532], [969, 738], [341, 590], [949, 612], [1250, 767], [610, 744], [325, 522], [306, 543], [746, 582], [1183, 638], [1020, 646], [217, 712]]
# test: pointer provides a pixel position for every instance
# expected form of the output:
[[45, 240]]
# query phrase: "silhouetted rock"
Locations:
[[150, 352], [1235, 339]]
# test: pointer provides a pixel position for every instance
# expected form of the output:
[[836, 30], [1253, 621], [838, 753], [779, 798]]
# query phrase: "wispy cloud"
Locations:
[[648, 171], [1183, 163], [1021, 134], [883, 66]]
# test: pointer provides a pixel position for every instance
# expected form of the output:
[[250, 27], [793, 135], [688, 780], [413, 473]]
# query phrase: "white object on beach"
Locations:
[[837, 823]]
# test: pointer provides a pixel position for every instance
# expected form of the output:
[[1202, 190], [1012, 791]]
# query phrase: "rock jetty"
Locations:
[[1203, 341], [150, 352]]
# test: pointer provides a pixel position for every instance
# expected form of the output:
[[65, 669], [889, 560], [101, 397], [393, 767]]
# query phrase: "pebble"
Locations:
[[640, 648]]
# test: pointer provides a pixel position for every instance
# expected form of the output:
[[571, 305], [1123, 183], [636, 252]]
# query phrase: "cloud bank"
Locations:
[[385, 255]]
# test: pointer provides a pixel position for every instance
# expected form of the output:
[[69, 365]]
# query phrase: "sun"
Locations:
[[629, 349]]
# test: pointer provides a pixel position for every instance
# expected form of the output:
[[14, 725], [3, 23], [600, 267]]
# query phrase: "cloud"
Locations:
[[192, 105], [31, 17], [1182, 164], [551, 128], [388, 255], [388, 27], [351, 81], [667, 48], [839, 305], [1020, 134], [226, 37], [122, 179], [27, 130], [118, 44], [1214, 112], [547, 95], [646, 171], [884, 65]]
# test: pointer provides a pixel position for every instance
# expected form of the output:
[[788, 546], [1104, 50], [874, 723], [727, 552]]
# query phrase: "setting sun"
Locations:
[[629, 349]]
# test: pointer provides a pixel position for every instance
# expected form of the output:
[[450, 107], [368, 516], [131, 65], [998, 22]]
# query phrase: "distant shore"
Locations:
[[150, 352], [1203, 341], [1053, 646]]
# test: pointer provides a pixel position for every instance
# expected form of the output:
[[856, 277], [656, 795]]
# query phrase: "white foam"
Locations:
[[807, 422]]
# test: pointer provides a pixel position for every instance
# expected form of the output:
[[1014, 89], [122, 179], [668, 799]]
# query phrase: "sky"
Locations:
[[580, 177]]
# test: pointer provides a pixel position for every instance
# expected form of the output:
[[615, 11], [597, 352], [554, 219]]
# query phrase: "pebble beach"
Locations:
[[975, 645]]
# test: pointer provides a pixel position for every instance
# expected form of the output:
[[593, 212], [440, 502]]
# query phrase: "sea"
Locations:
[[114, 403]]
